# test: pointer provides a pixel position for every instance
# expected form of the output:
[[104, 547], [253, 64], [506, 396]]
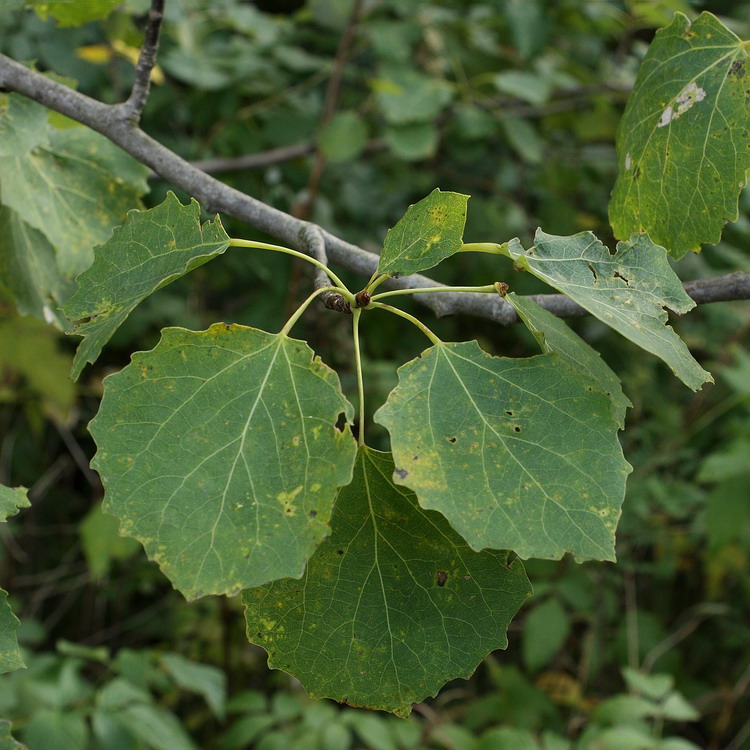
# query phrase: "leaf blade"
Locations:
[[518, 454], [219, 453], [387, 568], [553, 335], [430, 231], [11, 501], [683, 140], [148, 251], [628, 290]]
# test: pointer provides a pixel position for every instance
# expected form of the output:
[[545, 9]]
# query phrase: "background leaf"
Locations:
[[430, 231], [218, 452], [554, 335], [73, 190], [628, 290], [150, 250], [391, 606], [11, 501], [545, 630], [344, 137], [76, 13], [683, 142], [518, 454]]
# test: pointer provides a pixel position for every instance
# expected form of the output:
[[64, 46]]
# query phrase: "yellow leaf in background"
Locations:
[[99, 54], [95, 53]]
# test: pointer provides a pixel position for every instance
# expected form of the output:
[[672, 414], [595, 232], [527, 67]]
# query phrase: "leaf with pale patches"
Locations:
[[430, 231], [391, 606], [554, 335], [74, 189], [683, 143], [628, 290], [218, 451], [150, 250], [518, 454]]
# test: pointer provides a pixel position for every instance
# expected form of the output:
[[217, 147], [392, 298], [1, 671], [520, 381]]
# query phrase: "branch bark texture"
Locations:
[[116, 123]]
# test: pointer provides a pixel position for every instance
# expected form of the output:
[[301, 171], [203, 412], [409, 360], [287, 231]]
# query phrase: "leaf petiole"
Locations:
[[494, 248], [288, 251], [301, 309], [356, 314], [415, 321], [376, 281], [427, 290]]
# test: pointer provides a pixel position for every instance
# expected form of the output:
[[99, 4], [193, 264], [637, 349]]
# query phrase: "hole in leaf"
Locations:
[[341, 422], [339, 552], [593, 272], [618, 275], [516, 429], [509, 413], [401, 473], [452, 440]]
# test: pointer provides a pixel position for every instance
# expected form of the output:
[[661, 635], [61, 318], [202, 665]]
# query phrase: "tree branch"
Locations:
[[313, 243], [110, 121], [146, 61]]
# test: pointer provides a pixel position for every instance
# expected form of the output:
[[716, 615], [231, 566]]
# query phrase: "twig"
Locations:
[[311, 240], [304, 208], [701, 613], [133, 107], [216, 196]]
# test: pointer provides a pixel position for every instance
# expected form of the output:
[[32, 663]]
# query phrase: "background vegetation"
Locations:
[[516, 103]]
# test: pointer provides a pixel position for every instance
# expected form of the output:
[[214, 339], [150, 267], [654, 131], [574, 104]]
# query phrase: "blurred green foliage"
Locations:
[[515, 103]]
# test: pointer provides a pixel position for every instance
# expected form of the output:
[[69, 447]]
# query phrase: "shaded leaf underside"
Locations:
[[628, 290], [391, 606], [554, 335]]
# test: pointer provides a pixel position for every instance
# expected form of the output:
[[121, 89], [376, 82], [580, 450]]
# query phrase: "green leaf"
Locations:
[[545, 630], [63, 730], [628, 290], [6, 738], [430, 231], [23, 124], [150, 250], [517, 454], [413, 142], [11, 501], [683, 142], [31, 349], [74, 190], [208, 681], [392, 605], [28, 269], [554, 335], [10, 655], [344, 137], [74, 13], [507, 738], [219, 453], [524, 139], [407, 96], [101, 543]]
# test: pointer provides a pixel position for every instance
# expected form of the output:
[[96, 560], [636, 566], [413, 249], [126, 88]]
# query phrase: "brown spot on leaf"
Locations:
[[401, 473], [737, 69], [441, 577]]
